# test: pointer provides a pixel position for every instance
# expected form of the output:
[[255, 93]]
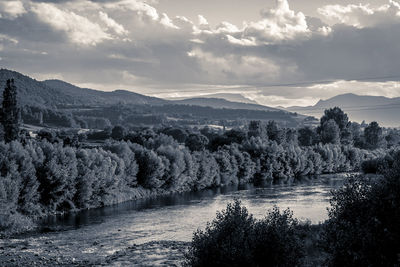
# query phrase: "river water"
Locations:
[[100, 232]]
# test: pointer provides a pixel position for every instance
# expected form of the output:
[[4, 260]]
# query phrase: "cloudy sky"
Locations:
[[276, 52]]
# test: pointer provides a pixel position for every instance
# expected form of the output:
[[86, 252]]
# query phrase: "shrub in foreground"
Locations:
[[235, 238], [363, 226]]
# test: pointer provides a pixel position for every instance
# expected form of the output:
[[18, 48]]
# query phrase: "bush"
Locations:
[[370, 166], [276, 240], [363, 226], [234, 238], [15, 223], [225, 241]]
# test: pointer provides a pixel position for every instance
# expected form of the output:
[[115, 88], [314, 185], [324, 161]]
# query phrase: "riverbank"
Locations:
[[30, 252], [158, 229], [27, 253], [140, 193]]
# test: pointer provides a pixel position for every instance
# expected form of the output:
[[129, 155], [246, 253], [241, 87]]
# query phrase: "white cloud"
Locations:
[[362, 15], [167, 22], [278, 24], [80, 30], [11, 9], [275, 26], [140, 7], [202, 20], [226, 27], [251, 41], [112, 24]]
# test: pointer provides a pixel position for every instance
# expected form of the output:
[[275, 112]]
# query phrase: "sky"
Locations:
[[276, 52]]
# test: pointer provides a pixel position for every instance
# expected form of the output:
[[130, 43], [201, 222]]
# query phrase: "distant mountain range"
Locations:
[[51, 93], [61, 100], [222, 103], [384, 110], [231, 97]]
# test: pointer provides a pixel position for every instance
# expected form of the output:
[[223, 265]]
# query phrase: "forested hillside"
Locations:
[[60, 104]]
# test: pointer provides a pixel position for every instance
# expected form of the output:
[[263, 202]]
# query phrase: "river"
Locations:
[[101, 232]]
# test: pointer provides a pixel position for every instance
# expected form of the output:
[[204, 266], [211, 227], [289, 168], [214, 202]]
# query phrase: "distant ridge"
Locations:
[[51, 93], [65, 105], [230, 97], [359, 107], [100, 97], [222, 103]]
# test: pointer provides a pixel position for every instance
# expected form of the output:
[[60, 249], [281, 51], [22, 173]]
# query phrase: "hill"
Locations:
[[96, 97], [58, 103], [359, 107], [33, 92], [51, 93], [231, 97], [222, 103]]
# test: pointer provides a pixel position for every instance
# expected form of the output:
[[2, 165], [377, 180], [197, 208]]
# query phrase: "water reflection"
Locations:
[[175, 217]]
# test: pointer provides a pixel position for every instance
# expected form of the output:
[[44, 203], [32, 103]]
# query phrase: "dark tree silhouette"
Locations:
[[330, 132], [10, 112], [337, 115], [118, 132], [307, 136], [373, 135]]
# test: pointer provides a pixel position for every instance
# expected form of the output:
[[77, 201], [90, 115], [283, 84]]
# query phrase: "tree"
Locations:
[[337, 115], [307, 136], [346, 136], [330, 132], [235, 238], [257, 129], [274, 133], [235, 136], [225, 241], [364, 218], [118, 132], [392, 138], [10, 113], [356, 133], [373, 136], [151, 167], [196, 142], [57, 177], [179, 135]]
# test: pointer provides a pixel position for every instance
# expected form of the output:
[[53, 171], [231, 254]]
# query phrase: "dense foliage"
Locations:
[[60, 171], [363, 226], [235, 238], [362, 230], [50, 174]]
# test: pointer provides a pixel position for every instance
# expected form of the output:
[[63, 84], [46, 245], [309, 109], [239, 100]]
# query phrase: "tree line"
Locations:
[[39, 177], [58, 171]]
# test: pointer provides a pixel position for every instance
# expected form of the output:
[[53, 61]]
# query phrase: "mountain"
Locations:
[[51, 93], [60, 103], [33, 92], [96, 97], [384, 110], [222, 103], [231, 97]]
